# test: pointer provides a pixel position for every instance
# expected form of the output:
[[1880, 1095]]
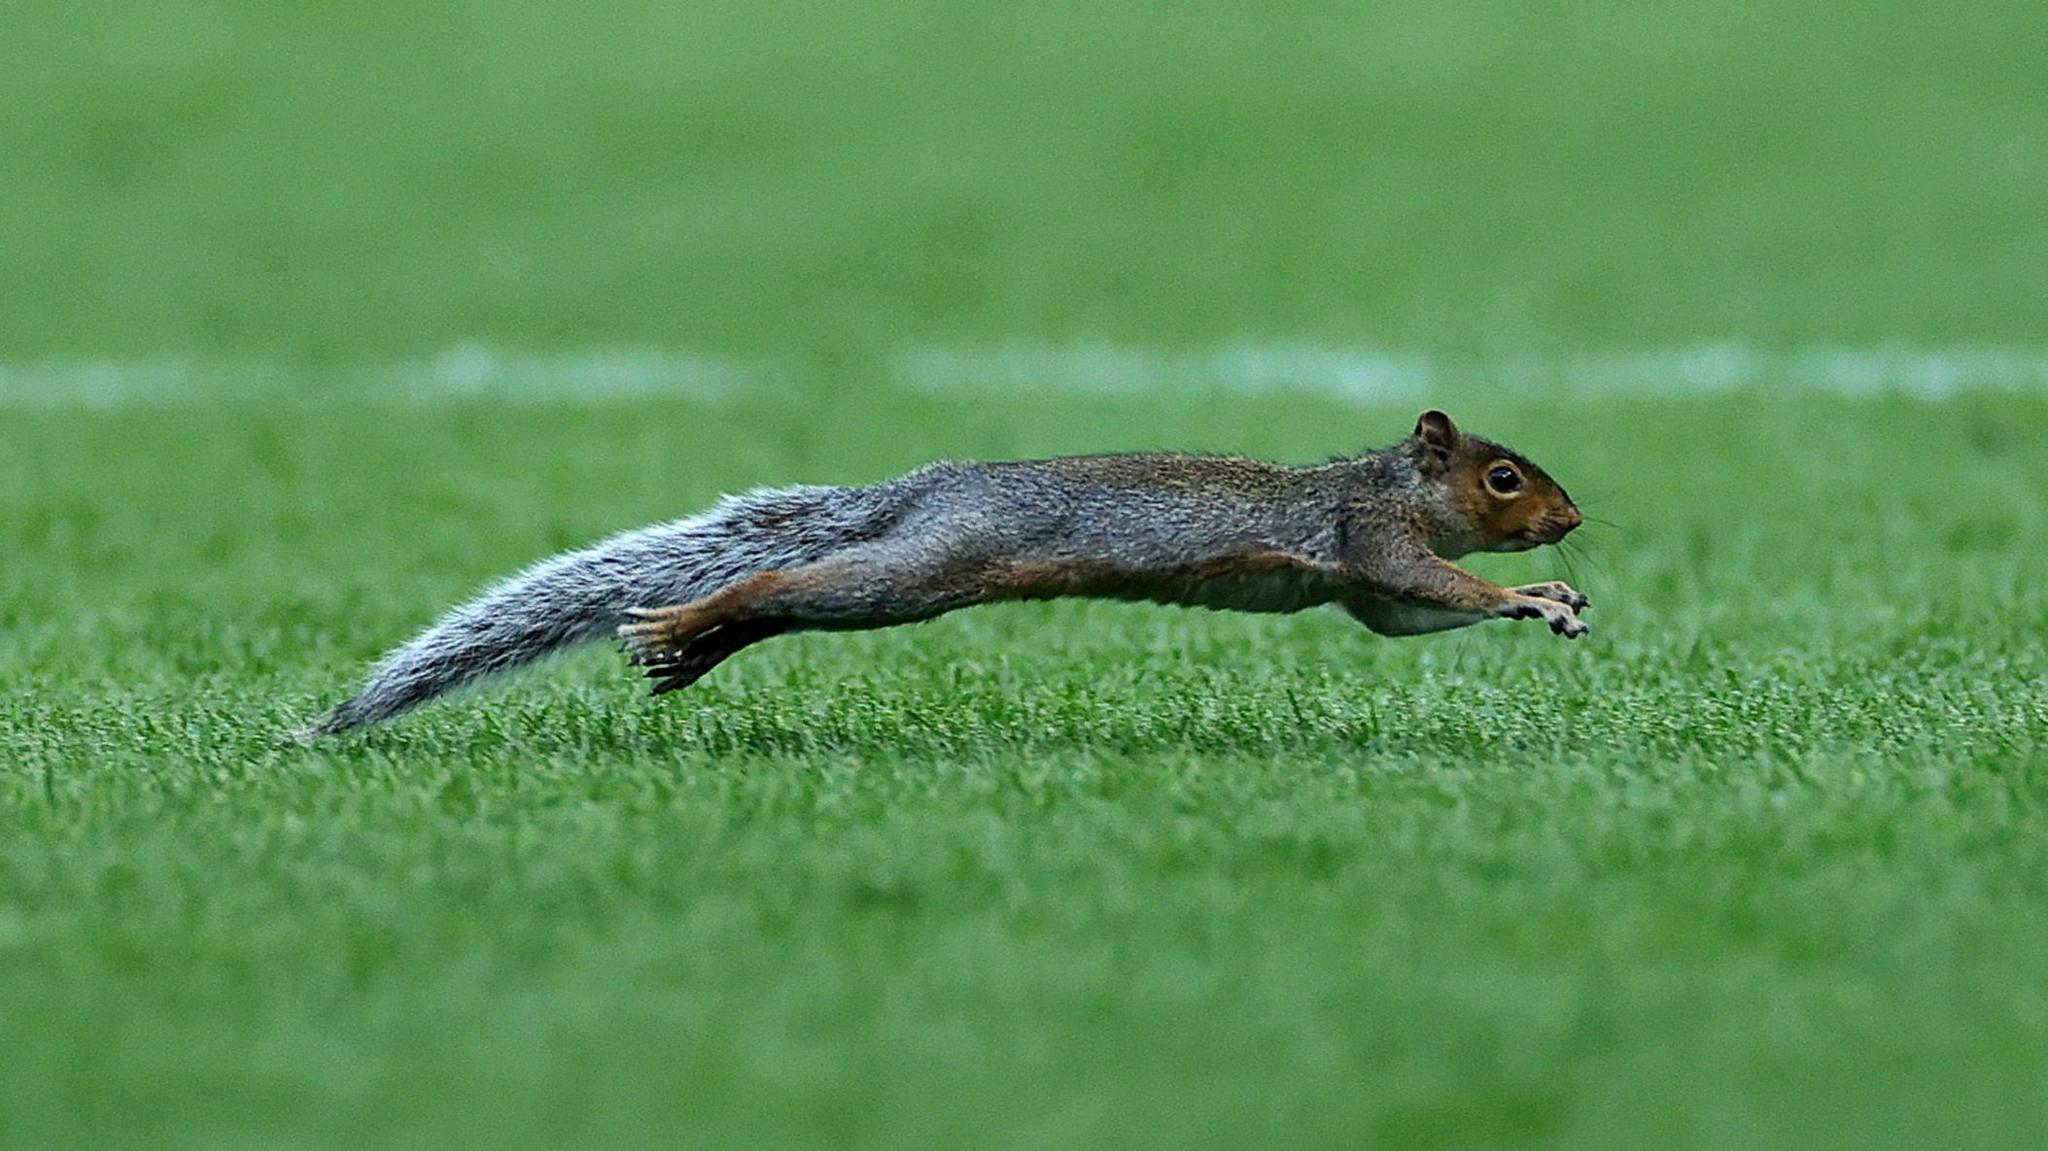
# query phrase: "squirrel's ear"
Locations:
[[1438, 436]]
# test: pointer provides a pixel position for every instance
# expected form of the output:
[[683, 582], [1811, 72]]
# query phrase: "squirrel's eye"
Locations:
[[1504, 479]]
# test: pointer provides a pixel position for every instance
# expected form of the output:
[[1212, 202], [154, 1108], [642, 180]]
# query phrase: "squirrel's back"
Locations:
[[1145, 509], [1138, 521]]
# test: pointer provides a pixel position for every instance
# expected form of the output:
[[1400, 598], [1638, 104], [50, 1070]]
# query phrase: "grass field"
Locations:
[[1763, 861], [317, 318]]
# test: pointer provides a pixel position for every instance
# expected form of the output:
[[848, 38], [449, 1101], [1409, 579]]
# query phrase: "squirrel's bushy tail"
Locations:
[[584, 595]]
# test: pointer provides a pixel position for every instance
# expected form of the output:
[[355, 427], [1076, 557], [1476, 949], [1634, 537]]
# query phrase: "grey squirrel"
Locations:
[[1374, 534]]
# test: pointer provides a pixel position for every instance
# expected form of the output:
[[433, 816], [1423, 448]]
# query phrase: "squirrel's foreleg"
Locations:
[[1418, 592]]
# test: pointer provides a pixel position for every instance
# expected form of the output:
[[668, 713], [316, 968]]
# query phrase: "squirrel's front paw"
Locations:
[[1557, 591], [1560, 616]]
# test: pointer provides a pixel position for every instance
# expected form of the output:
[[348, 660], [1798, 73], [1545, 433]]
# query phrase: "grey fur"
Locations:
[[581, 596]]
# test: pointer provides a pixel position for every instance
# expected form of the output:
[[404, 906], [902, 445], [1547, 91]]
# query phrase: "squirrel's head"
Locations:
[[1506, 502]]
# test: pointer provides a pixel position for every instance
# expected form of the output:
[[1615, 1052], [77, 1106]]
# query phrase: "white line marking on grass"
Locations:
[[476, 372], [1115, 370], [469, 372], [1368, 374]]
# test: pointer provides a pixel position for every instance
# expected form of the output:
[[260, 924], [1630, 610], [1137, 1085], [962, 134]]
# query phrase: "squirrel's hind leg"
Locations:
[[675, 660], [679, 644]]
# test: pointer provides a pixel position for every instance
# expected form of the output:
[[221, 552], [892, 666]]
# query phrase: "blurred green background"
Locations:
[[343, 180], [315, 316]]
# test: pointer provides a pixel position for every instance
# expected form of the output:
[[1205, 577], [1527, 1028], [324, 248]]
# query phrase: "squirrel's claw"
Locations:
[[1561, 616], [1558, 592], [678, 670], [680, 645]]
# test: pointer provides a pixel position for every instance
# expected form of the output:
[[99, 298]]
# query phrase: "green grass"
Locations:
[[390, 177], [1762, 863]]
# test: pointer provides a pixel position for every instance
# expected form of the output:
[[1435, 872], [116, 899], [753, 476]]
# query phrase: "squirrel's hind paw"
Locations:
[[679, 646], [659, 633]]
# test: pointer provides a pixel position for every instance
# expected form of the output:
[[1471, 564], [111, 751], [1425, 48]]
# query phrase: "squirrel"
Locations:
[[1374, 534]]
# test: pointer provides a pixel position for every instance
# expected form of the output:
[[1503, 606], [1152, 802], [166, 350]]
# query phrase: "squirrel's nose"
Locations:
[[1569, 522]]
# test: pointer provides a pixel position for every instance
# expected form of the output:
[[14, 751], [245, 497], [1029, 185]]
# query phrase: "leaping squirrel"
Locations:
[[1374, 535]]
